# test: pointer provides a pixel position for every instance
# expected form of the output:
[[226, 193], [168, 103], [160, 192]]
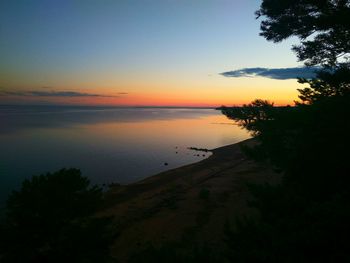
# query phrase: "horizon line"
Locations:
[[112, 106]]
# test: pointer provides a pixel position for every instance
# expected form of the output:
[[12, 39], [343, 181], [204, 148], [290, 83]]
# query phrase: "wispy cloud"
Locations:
[[274, 73], [6, 92], [65, 94]]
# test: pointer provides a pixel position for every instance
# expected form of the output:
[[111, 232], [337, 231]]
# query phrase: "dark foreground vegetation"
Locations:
[[52, 219], [304, 218]]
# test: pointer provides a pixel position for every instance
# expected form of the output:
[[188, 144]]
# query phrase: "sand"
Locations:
[[187, 204]]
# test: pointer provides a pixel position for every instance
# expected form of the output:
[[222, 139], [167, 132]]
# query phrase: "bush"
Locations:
[[51, 219]]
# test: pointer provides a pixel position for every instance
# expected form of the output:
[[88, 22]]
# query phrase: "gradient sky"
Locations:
[[160, 52]]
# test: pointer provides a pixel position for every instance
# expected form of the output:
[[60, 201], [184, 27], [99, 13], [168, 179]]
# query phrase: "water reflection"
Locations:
[[108, 145], [14, 119]]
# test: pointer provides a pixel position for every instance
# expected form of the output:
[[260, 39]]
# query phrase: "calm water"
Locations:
[[107, 144]]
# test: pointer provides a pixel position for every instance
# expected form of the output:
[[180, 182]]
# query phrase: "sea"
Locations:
[[108, 144]]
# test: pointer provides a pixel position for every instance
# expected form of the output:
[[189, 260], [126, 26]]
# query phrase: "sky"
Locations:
[[139, 53]]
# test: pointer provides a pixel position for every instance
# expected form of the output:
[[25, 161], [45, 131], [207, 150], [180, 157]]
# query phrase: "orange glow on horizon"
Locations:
[[151, 101], [212, 92]]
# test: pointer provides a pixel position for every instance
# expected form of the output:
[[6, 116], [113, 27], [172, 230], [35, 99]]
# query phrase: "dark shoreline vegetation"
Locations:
[[283, 197], [306, 217]]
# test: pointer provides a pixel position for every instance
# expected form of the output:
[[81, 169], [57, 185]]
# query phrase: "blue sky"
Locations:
[[117, 46]]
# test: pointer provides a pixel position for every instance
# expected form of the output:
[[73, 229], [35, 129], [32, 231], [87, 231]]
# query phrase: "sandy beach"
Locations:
[[186, 204]]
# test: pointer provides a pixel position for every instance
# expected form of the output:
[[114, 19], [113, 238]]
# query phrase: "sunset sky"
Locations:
[[160, 52]]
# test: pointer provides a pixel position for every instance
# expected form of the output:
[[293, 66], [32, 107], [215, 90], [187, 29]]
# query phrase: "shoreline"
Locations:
[[188, 204]]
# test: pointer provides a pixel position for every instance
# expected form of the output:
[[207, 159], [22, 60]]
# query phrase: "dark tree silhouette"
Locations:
[[306, 217], [327, 85], [51, 219], [323, 26]]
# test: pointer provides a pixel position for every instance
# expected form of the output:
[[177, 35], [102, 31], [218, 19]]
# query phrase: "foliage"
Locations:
[[292, 229], [51, 219], [322, 26], [327, 84], [252, 114], [306, 217]]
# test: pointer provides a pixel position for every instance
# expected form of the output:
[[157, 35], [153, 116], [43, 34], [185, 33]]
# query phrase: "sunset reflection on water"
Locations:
[[108, 145]]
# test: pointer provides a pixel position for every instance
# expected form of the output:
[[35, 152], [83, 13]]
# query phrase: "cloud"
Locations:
[[123, 93], [64, 94], [274, 73], [5, 92]]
